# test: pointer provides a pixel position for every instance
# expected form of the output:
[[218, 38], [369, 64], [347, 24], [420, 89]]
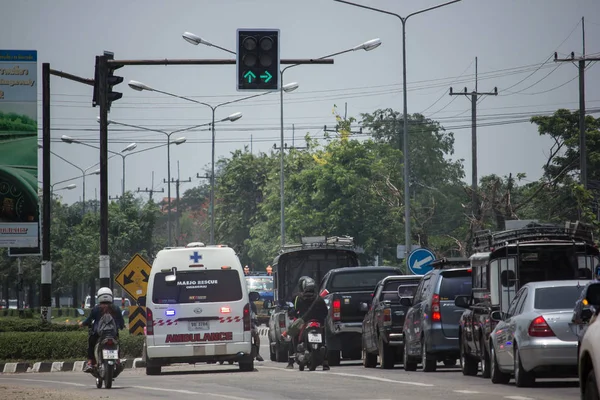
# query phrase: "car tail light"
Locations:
[[247, 317], [436, 316], [336, 310], [324, 293], [314, 324], [149, 322], [282, 321], [109, 342], [387, 316], [540, 328]]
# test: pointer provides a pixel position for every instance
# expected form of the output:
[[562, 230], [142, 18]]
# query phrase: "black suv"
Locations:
[[431, 324]]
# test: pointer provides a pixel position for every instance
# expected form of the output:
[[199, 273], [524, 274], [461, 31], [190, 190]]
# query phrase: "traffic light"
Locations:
[[257, 59], [111, 80]]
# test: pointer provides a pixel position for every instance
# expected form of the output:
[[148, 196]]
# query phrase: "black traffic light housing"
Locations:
[[257, 61], [111, 80]]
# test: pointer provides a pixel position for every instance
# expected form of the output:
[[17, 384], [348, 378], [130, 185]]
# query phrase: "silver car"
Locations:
[[534, 337]]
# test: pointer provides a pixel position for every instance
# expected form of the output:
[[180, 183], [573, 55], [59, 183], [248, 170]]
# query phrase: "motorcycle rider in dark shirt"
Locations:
[[304, 307]]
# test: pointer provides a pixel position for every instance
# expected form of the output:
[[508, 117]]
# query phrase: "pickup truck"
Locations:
[[382, 326], [344, 289], [314, 257]]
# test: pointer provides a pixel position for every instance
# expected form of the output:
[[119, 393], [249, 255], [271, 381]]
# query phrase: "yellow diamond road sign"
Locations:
[[134, 277]]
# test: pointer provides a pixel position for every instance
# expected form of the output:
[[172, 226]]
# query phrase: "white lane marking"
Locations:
[[518, 398], [278, 369], [224, 396], [375, 378], [466, 391], [42, 381]]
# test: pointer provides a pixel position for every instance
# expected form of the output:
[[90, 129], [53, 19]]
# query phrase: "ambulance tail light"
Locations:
[[149, 322], [247, 325]]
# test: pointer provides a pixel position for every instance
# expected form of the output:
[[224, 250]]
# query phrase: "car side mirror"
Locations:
[[254, 296], [586, 314], [497, 316], [462, 301], [406, 301], [364, 307]]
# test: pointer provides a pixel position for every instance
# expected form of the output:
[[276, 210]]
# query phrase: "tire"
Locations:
[[272, 354], [498, 377], [334, 358], [485, 361], [300, 367], [108, 375], [152, 370], [408, 364], [314, 362], [281, 354], [591, 387], [468, 365], [99, 383], [428, 363], [522, 377], [247, 366], [386, 355], [369, 359]]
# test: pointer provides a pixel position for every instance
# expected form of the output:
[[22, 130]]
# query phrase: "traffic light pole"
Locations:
[[104, 262]]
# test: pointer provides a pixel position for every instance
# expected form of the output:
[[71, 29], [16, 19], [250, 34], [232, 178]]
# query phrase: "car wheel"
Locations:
[[485, 361], [334, 358], [281, 353], [272, 354], [591, 387], [369, 359], [468, 365], [386, 355], [522, 377], [247, 366], [427, 360], [495, 373], [408, 364]]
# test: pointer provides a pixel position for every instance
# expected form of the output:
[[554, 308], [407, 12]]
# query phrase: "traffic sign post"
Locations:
[[137, 320], [419, 261], [134, 277]]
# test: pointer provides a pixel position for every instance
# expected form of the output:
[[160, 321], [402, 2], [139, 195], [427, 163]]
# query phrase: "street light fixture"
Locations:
[[130, 147], [407, 232], [136, 85], [196, 40]]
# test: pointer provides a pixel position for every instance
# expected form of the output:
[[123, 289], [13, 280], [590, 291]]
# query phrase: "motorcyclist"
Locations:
[[105, 305], [303, 307], [581, 302]]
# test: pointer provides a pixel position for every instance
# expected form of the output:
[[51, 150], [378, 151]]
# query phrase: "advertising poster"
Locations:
[[19, 202]]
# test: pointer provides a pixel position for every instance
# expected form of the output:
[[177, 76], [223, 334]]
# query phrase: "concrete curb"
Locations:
[[61, 366]]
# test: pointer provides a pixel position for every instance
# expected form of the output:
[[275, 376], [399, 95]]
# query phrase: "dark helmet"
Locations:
[[597, 274], [307, 286]]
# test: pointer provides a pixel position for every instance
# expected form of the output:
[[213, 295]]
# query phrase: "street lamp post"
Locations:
[[130, 147], [68, 187], [233, 117], [407, 231], [367, 46]]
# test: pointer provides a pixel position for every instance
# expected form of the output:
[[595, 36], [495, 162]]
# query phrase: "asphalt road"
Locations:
[[271, 381]]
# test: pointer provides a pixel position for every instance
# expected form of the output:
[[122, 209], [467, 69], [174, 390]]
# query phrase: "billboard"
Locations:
[[19, 201]]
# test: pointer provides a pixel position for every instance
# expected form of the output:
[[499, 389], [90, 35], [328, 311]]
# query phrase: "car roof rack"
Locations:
[[533, 232], [450, 262], [315, 242]]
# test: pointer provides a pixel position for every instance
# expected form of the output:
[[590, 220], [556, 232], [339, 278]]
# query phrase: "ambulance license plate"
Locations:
[[199, 326], [314, 338], [110, 354]]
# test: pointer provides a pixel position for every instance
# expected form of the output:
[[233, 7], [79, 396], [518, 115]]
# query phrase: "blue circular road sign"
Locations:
[[419, 261]]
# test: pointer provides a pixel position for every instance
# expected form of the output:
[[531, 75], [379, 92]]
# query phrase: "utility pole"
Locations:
[[581, 65], [117, 197], [474, 97], [150, 191], [285, 147], [178, 210]]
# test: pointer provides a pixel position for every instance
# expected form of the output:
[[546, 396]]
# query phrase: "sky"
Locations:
[[513, 40]]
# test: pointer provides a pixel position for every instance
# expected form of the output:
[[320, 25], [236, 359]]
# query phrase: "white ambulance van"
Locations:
[[197, 308]]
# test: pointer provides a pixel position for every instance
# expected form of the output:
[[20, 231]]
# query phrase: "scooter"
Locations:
[[311, 349], [108, 365]]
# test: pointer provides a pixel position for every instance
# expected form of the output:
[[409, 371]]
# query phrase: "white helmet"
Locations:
[[105, 295]]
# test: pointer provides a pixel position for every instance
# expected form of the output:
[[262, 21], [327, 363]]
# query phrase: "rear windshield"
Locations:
[[396, 289], [455, 283], [259, 284], [557, 298], [197, 287], [363, 280]]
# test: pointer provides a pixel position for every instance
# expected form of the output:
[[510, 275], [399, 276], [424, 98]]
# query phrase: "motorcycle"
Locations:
[[108, 365], [311, 350]]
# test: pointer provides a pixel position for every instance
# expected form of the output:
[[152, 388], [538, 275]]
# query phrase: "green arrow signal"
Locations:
[[249, 75], [267, 76]]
